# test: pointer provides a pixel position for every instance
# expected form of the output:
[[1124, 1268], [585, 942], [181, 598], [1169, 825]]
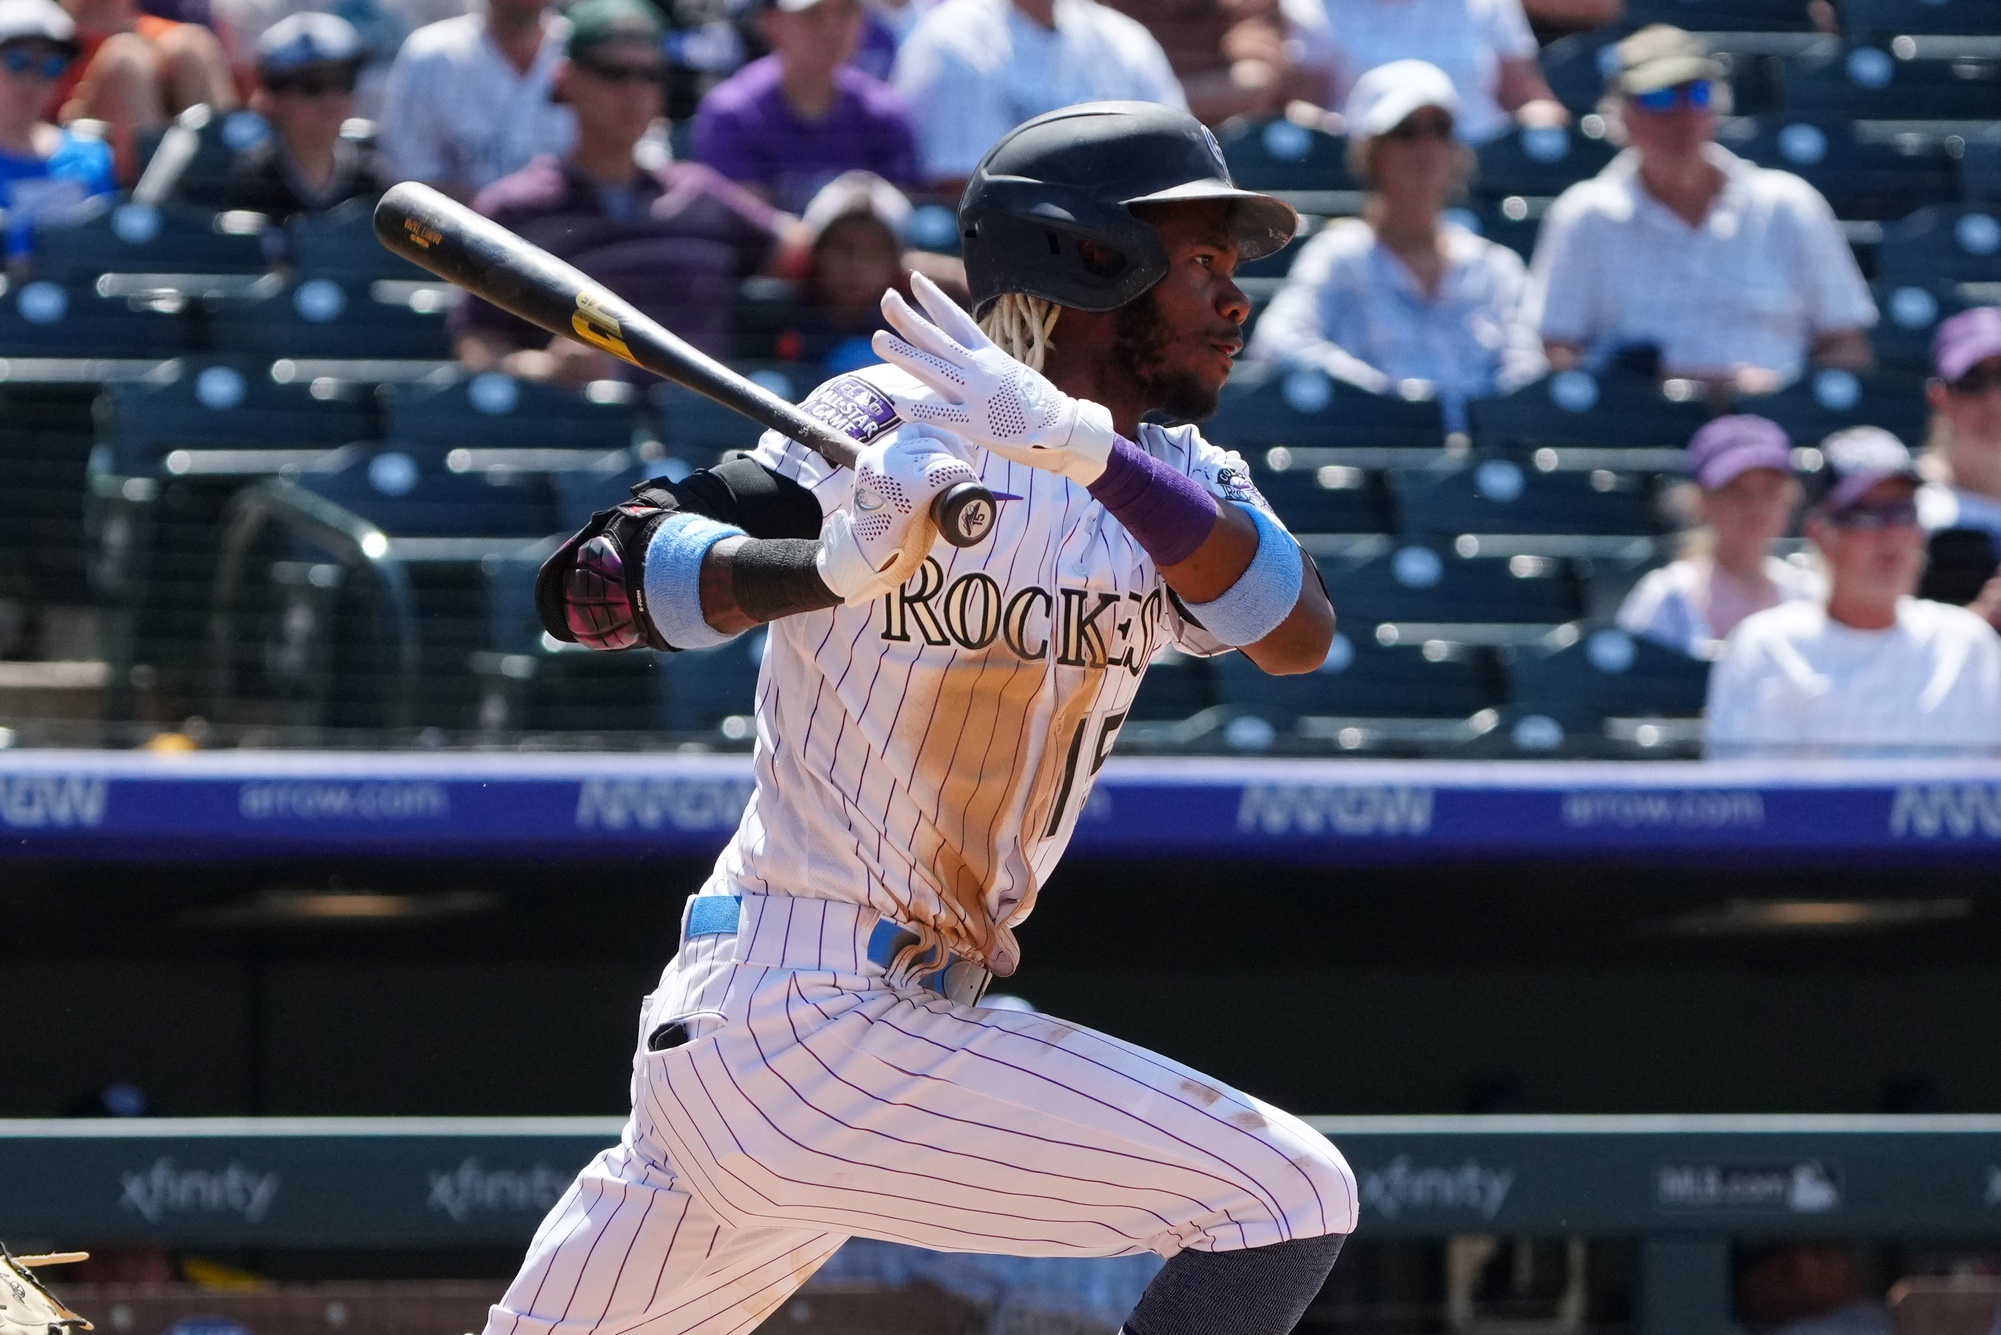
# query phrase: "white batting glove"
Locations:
[[986, 396], [880, 538]]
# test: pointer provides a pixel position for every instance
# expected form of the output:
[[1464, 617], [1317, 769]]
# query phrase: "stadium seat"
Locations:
[[1578, 409], [42, 318], [698, 428], [172, 450], [1723, 15], [1575, 67], [1265, 406], [1538, 160], [143, 238], [202, 177], [1878, 178], [1830, 399], [1284, 155], [341, 243], [1329, 498], [1587, 671], [706, 687], [493, 411], [1867, 82], [1910, 317], [325, 317], [1421, 585], [1364, 679], [1943, 243], [1497, 494], [1883, 20], [1176, 686], [409, 491]]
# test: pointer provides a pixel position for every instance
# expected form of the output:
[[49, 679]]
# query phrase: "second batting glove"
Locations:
[[875, 542], [981, 393]]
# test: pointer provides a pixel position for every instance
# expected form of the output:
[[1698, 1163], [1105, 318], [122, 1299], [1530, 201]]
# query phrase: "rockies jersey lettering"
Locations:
[[928, 754]]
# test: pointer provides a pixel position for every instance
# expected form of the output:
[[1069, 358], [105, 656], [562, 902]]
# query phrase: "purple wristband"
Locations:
[[1164, 509]]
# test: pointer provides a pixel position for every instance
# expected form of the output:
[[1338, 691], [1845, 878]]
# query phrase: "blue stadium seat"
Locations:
[[1910, 317], [1176, 686], [698, 428], [1576, 67], [1284, 155], [1540, 160], [1426, 585], [221, 404], [1364, 679], [325, 317], [1597, 671], [1882, 20], [1723, 15], [705, 687], [1830, 399], [341, 243], [410, 491], [1265, 406], [493, 411], [218, 139], [1879, 178], [42, 318], [1943, 243], [1867, 82], [1497, 494], [142, 238], [1323, 498], [1577, 409]]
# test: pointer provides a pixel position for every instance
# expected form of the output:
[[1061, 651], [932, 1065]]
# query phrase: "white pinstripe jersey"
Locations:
[[928, 754]]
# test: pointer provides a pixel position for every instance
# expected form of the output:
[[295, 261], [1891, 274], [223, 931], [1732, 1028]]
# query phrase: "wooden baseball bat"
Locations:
[[440, 234]]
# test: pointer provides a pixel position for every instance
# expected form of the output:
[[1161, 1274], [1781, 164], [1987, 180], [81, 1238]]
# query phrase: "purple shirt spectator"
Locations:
[[747, 130], [675, 243]]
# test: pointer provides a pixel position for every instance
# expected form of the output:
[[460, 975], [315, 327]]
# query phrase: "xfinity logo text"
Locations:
[[471, 1188], [164, 1189], [1471, 1188], [1343, 809]]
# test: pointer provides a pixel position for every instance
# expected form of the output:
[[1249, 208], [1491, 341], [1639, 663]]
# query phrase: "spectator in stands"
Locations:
[[1743, 468], [308, 65], [45, 173], [676, 241], [1230, 56], [470, 99], [134, 71], [787, 124], [1682, 257], [1401, 294], [1874, 671], [1963, 453], [1484, 46], [1800, 1286], [974, 69], [853, 252]]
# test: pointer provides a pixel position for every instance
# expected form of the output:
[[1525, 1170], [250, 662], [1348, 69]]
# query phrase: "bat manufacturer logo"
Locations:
[[599, 327], [420, 235], [976, 518]]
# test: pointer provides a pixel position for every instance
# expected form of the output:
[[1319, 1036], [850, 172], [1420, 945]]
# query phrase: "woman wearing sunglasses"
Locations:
[[1683, 257], [1400, 294], [308, 65], [45, 172]]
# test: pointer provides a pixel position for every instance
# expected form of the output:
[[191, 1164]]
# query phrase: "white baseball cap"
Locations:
[[1385, 97], [44, 19]]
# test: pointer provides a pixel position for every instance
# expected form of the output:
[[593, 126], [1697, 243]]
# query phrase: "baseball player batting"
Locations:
[[815, 1064]]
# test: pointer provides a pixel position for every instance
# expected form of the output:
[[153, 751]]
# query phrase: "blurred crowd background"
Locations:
[[1611, 330]]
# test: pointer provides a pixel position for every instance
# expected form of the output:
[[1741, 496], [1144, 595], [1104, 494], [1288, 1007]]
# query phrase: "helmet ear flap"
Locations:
[[1059, 244]]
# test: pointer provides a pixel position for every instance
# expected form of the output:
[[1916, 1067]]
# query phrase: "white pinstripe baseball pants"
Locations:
[[820, 1099]]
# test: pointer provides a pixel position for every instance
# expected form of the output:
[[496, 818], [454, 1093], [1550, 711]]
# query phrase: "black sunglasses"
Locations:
[[314, 83], [623, 73], [1872, 517], [23, 59], [1977, 381]]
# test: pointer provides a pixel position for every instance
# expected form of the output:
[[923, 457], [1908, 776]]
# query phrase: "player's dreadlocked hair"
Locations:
[[1021, 325]]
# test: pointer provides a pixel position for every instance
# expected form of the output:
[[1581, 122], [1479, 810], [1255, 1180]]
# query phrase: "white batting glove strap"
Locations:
[[878, 540], [986, 396]]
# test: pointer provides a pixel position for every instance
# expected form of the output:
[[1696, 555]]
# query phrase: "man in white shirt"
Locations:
[[1874, 672], [468, 99], [974, 69], [1687, 255]]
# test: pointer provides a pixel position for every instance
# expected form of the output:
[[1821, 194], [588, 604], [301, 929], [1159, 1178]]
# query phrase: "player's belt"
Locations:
[[961, 980]]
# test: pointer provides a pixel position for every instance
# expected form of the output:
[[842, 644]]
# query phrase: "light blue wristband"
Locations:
[[1264, 595], [674, 579]]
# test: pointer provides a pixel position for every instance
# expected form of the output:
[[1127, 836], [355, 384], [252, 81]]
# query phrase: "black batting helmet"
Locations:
[[1073, 176]]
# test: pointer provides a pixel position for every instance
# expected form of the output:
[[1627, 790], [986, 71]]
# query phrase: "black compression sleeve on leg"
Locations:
[[775, 577], [1254, 1291]]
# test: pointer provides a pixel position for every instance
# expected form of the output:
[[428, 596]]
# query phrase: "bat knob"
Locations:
[[965, 513]]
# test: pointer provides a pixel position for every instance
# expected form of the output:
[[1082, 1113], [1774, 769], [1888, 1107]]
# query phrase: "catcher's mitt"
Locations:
[[26, 1305]]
